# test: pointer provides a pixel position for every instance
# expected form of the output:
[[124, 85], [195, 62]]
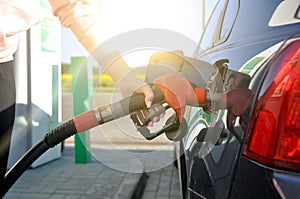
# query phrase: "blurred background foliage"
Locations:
[[102, 82]]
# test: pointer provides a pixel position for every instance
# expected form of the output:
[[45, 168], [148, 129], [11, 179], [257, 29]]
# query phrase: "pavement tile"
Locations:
[[149, 195]]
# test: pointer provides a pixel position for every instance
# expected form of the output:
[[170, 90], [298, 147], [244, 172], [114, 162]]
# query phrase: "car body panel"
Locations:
[[287, 184]]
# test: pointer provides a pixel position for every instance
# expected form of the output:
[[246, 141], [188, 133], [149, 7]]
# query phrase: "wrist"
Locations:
[[116, 66], [128, 83]]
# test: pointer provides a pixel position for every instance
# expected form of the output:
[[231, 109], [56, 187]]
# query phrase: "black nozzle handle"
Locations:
[[128, 105], [137, 102]]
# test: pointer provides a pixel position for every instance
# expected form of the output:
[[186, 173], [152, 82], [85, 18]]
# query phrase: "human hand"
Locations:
[[130, 84], [152, 115]]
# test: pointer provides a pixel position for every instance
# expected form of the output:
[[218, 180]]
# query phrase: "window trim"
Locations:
[[204, 31], [220, 41], [216, 39]]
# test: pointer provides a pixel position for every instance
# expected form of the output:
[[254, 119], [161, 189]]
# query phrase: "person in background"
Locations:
[[78, 15]]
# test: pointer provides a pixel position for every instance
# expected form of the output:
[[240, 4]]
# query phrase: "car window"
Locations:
[[297, 15], [229, 18], [212, 28]]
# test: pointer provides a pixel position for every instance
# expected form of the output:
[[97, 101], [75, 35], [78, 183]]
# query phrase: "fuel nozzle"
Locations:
[[179, 92], [176, 92]]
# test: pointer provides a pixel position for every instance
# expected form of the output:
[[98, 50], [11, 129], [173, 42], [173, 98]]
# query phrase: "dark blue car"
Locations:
[[258, 155]]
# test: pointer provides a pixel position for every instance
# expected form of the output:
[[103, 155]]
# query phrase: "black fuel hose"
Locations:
[[51, 139]]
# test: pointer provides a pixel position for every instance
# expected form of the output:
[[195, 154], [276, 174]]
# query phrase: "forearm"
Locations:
[[80, 17]]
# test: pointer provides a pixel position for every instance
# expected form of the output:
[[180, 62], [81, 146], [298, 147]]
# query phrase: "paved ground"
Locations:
[[163, 184], [63, 179], [119, 158]]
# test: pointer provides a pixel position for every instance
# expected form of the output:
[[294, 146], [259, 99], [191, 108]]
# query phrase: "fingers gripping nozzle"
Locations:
[[178, 92]]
